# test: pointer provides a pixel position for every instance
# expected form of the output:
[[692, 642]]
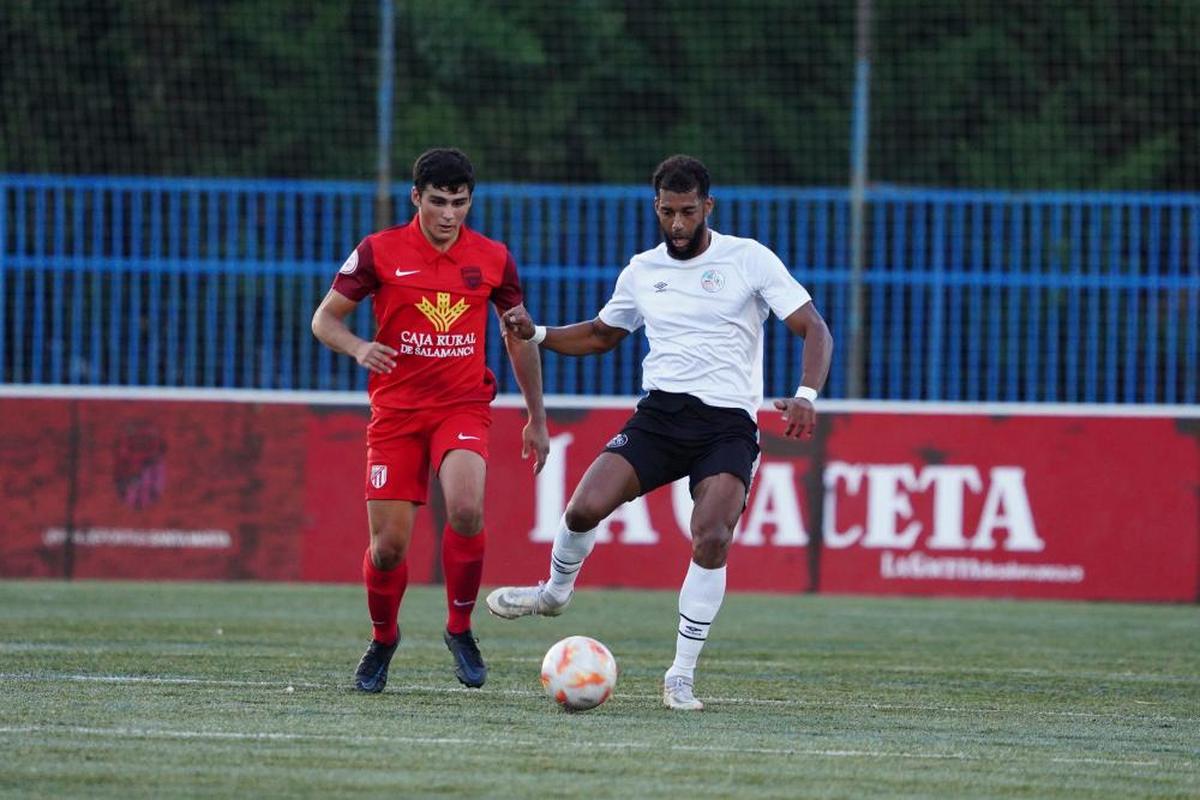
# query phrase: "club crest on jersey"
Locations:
[[620, 440], [442, 314], [350, 265], [712, 281], [472, 277], [378, 475]]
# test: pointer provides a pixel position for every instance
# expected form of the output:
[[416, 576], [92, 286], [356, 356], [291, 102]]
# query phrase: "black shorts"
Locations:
[[673, 435]]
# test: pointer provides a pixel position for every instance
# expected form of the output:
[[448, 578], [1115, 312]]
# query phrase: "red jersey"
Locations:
[[432, 307]]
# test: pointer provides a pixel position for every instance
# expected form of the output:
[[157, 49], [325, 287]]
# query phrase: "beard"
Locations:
[[693, 246]]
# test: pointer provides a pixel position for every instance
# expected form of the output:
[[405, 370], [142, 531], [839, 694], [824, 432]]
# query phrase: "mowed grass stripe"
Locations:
[[148, 733], [402, 688]]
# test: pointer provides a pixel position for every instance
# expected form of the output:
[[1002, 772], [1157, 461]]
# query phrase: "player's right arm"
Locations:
[[330, 328], [580, 339], [585, 338]]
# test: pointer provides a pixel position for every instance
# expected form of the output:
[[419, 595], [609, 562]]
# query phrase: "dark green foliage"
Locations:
[[998, 93]]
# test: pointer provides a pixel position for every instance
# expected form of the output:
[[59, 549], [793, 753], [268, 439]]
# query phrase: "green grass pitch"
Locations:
[[163, 690]]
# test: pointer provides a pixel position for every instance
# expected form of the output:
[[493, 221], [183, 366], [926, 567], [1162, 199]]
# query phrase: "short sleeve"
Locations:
[[508, 293], [783, 293], [357, 277], [621, 310]]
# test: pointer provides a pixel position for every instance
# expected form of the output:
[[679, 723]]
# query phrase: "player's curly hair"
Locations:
[[682, 173], [443, 168]]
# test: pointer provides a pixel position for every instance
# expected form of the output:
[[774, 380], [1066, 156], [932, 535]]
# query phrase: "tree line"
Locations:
[[1021, 94]]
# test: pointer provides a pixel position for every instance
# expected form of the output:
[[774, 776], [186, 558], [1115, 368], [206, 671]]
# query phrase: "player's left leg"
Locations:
[[719, 501], [462, 474], [385, 574]]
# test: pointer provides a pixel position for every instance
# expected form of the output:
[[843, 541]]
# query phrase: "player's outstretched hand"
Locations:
[[800, 417], [376, 356], [535, 440], [518, 322]]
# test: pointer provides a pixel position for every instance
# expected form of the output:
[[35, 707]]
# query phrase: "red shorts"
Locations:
[[402, 446]]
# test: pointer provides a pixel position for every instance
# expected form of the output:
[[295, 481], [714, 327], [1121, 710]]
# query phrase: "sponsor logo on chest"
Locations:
[[444, 313]]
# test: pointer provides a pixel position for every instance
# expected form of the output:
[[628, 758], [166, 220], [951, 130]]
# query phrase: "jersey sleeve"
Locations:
[[621, 310], [783, 293], [508, 293], [357, 277]]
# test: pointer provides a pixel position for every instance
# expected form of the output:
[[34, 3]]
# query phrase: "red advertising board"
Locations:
[[1054, 506], [150, 489]]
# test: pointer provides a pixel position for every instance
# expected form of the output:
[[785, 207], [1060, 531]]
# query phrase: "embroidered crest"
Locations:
[[378, 475], [472, 277], [712, 281]]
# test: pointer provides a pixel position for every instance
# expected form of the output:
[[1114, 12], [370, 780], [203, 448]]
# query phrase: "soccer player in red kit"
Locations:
[[430, 281]]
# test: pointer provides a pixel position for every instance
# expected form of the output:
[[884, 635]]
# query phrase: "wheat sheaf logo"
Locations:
[[443, 315]]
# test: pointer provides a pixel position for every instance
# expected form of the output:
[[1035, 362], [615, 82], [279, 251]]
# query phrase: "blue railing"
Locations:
[[968, 295]]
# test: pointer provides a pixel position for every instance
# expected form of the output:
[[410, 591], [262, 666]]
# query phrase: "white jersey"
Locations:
[[704, 317]]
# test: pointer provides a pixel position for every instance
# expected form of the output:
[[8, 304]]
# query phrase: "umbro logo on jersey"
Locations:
[[660, 287], [402, 273]]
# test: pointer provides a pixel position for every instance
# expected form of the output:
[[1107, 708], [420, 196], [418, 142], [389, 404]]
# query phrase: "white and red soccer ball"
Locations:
[[579, 673]]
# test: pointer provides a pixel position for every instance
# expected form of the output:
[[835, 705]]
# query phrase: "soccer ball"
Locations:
[[579, 673]]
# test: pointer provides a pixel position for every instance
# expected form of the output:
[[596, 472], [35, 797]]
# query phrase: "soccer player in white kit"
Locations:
[[703, 297]]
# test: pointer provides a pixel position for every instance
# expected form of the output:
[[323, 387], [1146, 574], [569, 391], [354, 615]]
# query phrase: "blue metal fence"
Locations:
[[969, 295]]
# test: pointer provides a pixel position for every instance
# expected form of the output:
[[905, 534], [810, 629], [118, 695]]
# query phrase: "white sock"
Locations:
[[566, 559], [699, 601]]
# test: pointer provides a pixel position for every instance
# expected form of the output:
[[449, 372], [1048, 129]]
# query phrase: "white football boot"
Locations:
[[510, 602], [677, 694]]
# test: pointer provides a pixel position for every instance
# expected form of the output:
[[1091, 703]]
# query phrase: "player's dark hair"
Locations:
[[682, 174], [443, 168]]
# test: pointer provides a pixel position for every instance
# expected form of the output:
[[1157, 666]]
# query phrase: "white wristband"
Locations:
[[539, 334], [807, 393]]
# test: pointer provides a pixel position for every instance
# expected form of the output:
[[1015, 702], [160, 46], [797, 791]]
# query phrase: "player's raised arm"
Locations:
[[580, 339]]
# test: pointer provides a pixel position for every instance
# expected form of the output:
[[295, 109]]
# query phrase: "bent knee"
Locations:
[[582, 516], [710, 545], [465, 520], [387, 554]]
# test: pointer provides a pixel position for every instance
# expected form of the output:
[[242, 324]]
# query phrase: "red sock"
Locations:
[[385, 589], [462, 564]]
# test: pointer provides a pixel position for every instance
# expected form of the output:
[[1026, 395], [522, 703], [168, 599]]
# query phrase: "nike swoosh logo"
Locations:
[[464, 437], [400, 274], [462, 604]]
